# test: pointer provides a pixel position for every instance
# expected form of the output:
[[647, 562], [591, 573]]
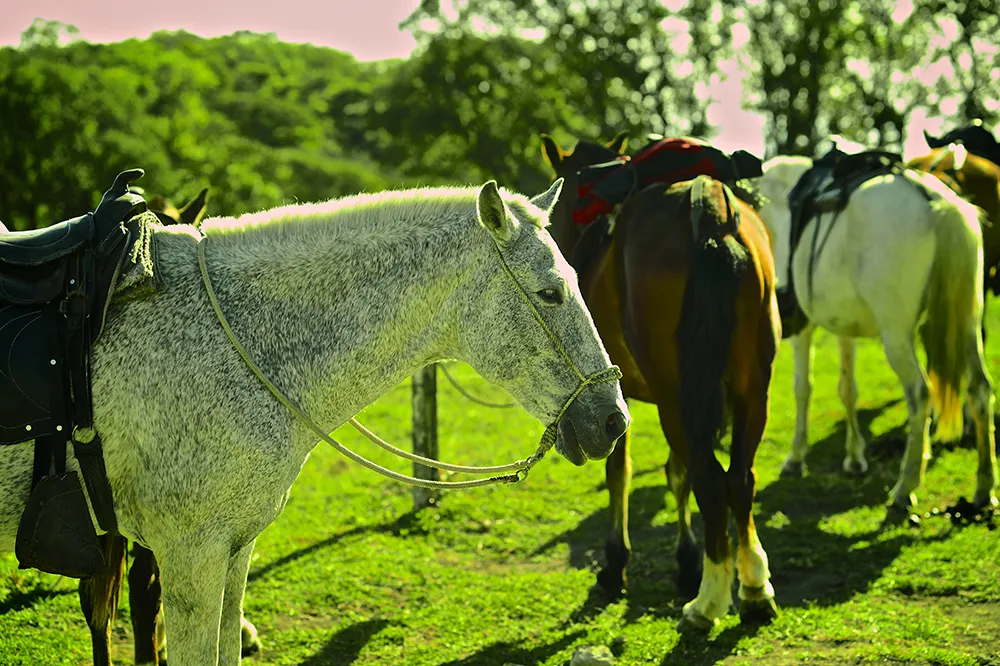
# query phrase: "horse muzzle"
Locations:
[[590, 432]]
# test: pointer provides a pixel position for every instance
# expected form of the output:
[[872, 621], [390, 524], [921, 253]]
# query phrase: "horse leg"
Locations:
[[689, 570], [144, 601], [854, 461], [231, 630], [618, 472], [749, 419], [795, 464], [715, 592], [194, 576], [99, 597], [981, 404], [902, 357], [249, 639]]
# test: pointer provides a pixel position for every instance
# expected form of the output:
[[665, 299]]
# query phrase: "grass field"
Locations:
[[348, 575]]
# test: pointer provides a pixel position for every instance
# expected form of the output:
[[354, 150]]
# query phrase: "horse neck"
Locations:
[[337, 321], [566, 233]]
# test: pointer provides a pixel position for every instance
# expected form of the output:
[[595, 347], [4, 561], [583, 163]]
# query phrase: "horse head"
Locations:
[[527, 329], [191, 213], [565, 165]]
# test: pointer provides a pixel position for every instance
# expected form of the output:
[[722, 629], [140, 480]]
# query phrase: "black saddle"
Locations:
[[977, 138], [55, 286], [825, 188]]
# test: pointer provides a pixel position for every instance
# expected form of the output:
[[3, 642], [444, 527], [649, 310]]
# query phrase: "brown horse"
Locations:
[[99, 595], [977, 180], [682, 294]]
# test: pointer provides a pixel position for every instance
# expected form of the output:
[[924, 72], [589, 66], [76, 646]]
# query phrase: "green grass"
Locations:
[[348, 575]]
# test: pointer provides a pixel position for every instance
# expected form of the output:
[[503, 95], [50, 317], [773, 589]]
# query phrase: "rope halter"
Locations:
[[509, 473]]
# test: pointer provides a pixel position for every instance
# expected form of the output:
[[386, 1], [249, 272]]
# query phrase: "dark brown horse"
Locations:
[[99, 595], [683, 297]]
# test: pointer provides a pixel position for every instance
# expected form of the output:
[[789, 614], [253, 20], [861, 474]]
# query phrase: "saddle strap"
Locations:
[[90, 456], [89, 453]]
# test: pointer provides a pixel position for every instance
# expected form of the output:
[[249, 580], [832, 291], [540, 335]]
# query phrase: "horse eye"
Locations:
[[551, 296]]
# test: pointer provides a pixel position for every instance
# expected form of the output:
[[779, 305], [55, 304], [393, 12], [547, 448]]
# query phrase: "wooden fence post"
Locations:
[[425, 441]]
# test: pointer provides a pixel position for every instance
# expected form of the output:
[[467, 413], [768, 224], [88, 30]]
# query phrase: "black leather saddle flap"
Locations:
[[31, 370]]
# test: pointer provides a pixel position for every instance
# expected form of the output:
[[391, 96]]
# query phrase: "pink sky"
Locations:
[[366, 28]]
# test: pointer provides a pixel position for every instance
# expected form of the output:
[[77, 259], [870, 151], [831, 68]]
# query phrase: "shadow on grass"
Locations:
[[18, 600], [406, 524], [694, 648], [346, 644], [511, 652], [809, 564]]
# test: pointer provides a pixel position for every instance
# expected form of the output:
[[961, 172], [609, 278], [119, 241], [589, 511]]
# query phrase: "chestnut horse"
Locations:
[[682, 294], [977, 180]]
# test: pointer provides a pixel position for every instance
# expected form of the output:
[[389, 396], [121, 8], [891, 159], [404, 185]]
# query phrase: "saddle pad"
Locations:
[[137, 278], [672, 160]]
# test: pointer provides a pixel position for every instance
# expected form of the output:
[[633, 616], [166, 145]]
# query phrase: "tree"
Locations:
[[43, 33], [617, 65]]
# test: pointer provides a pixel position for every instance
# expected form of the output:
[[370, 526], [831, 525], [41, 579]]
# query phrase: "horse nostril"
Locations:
[[615, 426]]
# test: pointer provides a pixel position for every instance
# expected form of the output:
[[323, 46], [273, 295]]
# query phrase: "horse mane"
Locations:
[[380, 214]]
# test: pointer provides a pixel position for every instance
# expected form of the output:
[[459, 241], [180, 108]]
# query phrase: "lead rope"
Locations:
[[519, 468]]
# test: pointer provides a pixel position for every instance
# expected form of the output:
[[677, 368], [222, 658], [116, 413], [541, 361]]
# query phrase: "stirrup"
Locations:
[[56, 534]]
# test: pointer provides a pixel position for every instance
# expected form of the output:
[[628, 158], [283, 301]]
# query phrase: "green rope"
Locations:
[[520, 467]]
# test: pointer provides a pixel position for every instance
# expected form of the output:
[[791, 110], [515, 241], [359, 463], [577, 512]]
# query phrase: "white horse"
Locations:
[[337, 302], [895, 260]]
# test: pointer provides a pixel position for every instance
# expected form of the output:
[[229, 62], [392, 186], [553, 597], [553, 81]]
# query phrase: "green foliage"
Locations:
[[263, 123], [255, 119], [860, 67]]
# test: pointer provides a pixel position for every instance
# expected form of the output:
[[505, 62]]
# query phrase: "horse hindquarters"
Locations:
[[952, 337]]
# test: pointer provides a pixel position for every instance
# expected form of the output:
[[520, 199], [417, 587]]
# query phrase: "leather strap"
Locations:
[[90, 456]]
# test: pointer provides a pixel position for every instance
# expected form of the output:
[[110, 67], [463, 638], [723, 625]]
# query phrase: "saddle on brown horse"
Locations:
[[602, 187], [977, 138], [55, 287]]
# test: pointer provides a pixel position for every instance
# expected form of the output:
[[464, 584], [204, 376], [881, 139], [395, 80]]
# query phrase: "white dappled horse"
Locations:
[[337, 302], [894, 263]]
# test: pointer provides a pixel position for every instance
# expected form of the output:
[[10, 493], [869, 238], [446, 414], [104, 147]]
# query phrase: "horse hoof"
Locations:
[[793, 468], [897, 516], [249, 639], [758, 611], [855, 468], [695, 621], [612, 583]]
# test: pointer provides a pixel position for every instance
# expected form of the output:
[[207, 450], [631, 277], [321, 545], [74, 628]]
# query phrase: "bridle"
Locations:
[[509, 473]]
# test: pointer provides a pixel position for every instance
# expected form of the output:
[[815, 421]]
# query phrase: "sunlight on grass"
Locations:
[[495, 575]]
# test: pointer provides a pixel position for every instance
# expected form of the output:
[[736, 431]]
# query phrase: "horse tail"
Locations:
[[99, 596], [708, 316], [954, 297]]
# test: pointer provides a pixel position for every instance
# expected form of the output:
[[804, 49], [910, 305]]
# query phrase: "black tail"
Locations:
[[705, 333], [99, 596]]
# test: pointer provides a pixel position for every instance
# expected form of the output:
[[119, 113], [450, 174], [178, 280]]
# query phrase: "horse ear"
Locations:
[[551, 151], [195, 209], [619, 143], [547, 199], [493, 213]]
